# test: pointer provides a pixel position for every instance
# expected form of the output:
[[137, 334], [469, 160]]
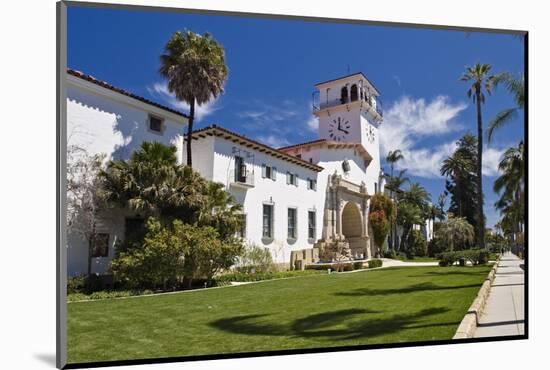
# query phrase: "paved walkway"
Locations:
[[504, 311]]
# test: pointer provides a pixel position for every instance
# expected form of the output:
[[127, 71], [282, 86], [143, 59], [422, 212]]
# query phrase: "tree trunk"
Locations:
[[480, 218], [190, 132]]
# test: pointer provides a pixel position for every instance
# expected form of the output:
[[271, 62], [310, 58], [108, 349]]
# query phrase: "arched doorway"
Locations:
[[351, 221], [352, 230]]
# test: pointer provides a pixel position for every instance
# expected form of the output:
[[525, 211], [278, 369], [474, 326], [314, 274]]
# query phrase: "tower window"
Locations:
[[353, 92], [344, 95]]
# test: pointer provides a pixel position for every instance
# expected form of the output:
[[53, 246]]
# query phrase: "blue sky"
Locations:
[[273, 65]]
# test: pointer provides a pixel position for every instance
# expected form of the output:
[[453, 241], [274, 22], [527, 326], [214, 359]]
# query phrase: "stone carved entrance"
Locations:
[[345, 220]]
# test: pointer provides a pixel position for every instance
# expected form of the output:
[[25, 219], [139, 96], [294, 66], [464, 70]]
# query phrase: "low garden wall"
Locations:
[[469, 323]]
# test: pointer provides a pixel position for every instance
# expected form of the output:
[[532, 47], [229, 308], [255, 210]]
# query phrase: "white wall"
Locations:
[[282, 195], [101, 122]]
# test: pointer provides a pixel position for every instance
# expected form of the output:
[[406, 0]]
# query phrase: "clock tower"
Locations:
[[349, 110]]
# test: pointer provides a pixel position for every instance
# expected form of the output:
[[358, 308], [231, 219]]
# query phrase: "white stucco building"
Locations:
[[297, 200]]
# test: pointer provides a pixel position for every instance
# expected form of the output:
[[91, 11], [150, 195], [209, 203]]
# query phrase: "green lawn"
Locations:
[[379, 306]]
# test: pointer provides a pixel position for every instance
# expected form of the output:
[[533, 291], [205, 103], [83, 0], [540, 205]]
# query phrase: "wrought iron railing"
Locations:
[[372, 100]]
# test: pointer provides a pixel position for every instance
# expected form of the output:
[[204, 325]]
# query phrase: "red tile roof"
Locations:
[[107, 85], [243, 140]]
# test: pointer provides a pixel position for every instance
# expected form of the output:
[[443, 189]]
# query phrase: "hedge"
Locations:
[[375, 263], [475, 256]]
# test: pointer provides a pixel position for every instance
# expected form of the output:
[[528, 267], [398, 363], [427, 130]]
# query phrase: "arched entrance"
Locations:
[[351, 221], [352, 229]]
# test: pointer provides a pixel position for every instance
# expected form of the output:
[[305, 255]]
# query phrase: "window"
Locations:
[[241, 233], [100, 247], [311, 160], [344, 95], [155, 124], [269, 172], [311, 184], [267, 221], [292, 223], [375, 188], [353, 92], [240, 169], [291, 179], [311, 224]]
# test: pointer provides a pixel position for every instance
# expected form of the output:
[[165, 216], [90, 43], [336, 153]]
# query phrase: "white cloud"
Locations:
[[491, 159], [274, 141], [160, 89], [312, 124], [409, 121]]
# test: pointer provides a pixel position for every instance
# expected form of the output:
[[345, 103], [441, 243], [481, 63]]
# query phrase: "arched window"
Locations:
[[353, 92], [344, 95], [328, 94]]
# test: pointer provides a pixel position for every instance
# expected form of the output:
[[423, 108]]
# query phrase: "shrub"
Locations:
[[475, 256], [255, 259], [417, 244], [448, 258], [390, 254], [374, 263], [436, 246], [169, 254], [358, 265], [76, 284]]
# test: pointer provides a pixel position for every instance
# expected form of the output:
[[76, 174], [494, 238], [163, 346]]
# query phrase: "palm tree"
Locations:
[[194, 66], [511, 186], [456, 230], [393, 157], [516, 86], [394, 185], [481, 81]]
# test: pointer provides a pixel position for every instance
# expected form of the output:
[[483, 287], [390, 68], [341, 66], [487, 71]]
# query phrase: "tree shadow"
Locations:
[[447, 273], [427, 286], [340, 324]]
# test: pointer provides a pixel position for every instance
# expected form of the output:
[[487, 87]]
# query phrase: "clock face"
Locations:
[[370, 134], [338, 129]]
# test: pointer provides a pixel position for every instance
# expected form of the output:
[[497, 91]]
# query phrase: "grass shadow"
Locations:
[[340, 324], [410, 289]]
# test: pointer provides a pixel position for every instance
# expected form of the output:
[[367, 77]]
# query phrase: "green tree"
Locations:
[[393, 157], [153, 184], [461, 183], [456, 231], [381, 215], [481, 81], [194, 66], [394, 185], [516, 87], [510, 185]]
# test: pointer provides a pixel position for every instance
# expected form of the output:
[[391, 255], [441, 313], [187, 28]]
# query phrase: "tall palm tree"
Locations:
[[481, 81], [194, 66], [516, 86], [393, 157]]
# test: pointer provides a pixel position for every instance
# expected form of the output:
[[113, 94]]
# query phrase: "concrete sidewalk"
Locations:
[[504, 312]]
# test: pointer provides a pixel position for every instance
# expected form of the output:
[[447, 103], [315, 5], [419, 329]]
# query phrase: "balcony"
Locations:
[[372, 101], [242, 178]]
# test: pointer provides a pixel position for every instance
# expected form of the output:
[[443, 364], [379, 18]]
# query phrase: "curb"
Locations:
[[469, 323]]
